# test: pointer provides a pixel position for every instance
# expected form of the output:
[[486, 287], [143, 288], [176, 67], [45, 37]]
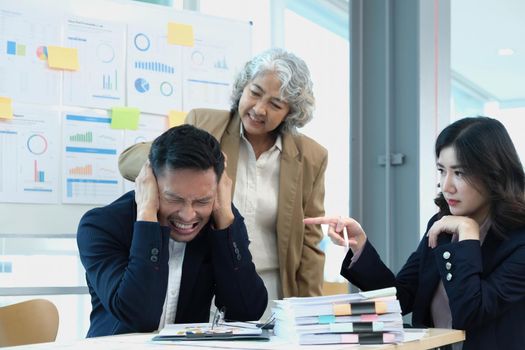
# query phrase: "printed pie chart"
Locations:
[[37, 144], [105, 53], [41, 53], [141, 85]]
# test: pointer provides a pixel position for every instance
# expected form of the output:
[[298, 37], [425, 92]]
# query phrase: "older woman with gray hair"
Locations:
[[277, 173]]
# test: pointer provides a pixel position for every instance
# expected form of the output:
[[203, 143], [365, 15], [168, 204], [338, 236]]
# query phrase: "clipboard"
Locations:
[[203, 331]]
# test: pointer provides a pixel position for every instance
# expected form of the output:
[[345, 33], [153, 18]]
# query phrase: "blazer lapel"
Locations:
[[428, 282], [288, 182], [230, 146]]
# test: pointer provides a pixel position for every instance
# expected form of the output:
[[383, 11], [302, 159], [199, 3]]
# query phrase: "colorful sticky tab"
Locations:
[[341, 327], [6, 108], [378, 326], [125, 118], [342, 309], [176, 118], [381, 307], [326, 319], [180, 34], [62, 58], [350, 338]]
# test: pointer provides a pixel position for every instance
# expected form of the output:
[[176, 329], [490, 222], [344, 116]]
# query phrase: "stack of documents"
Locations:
[[372, 317]]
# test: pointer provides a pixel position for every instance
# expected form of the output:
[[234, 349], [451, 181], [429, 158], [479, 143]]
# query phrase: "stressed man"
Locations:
[[159, 254]]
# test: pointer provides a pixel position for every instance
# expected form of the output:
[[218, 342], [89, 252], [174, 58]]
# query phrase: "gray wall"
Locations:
[[390, 100]]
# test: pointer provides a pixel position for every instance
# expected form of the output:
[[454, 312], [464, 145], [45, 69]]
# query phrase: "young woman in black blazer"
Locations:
[[469, 269]]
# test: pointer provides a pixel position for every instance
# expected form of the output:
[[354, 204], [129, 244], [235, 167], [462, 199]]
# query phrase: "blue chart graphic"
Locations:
[[91, 150], [155, 67], [15, 49], [141, 42], [109, 81], [166, 88], [221, 64], [141, 85], [86, 182]]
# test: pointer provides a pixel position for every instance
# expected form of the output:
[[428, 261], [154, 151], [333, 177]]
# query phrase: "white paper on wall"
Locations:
[[29, 160], [150, 126], [24, 75], [154, 70], [90, 159], [100, 80], [211, 65]]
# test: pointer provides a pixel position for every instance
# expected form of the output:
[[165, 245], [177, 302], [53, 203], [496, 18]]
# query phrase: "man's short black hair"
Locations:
[[186, 147]]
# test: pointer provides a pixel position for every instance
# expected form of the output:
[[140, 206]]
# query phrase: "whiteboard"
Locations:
[[58, 154]]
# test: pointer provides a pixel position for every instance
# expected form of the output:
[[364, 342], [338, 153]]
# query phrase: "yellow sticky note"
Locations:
[[62, 58], [176, 118], [180, 34], [125, 118], [6, 108]]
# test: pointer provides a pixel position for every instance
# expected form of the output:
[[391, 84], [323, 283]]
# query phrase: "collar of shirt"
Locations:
[[278, 142]]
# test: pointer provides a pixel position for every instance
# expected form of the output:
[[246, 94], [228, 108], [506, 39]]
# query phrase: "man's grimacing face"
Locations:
[[186, 198]]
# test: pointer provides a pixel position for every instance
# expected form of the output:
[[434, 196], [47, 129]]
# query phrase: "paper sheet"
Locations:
[[90, 159], [29, 159]]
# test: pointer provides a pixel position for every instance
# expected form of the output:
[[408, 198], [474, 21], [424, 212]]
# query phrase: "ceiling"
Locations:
[[479, 28]]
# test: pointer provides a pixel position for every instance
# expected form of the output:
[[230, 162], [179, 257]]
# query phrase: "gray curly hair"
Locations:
[[296, 85]]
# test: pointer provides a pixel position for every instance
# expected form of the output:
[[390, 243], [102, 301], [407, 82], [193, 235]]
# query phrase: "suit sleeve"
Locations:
[[477, 298], [238, 286], [310, 275], [130, 283], [369, 272], [133, 158]]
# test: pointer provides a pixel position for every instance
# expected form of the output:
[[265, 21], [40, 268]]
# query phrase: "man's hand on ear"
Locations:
[[222, 207], [146, 194]]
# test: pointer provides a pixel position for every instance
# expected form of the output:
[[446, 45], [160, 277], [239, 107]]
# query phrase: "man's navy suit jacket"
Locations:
[[126, 266], [485, 288]]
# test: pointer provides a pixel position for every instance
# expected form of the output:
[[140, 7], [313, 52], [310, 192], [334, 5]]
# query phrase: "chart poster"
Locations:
[[154, 70], [90, 159], [100, 80], [24, 75], [29, 163], [211, 65]]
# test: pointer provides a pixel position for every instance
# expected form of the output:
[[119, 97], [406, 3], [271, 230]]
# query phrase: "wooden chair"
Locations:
[[28, 322]]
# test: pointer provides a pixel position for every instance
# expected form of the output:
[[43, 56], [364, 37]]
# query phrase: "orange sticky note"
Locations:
[[180, 34], [125, 118], [62, 58], [6, 108], [176, 118]]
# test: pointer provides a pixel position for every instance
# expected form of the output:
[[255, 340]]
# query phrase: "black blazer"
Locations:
[[486, 289], [126, 266]]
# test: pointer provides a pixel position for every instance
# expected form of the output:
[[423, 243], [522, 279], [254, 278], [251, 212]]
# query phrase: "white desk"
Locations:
[[433, 338]]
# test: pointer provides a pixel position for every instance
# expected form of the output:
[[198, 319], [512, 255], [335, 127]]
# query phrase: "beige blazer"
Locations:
[[301, 194]]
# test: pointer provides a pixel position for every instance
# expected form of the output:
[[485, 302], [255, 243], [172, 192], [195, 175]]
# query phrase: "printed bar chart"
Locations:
[[155, 67], [82, 170], [39, 174], [85, 137]]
